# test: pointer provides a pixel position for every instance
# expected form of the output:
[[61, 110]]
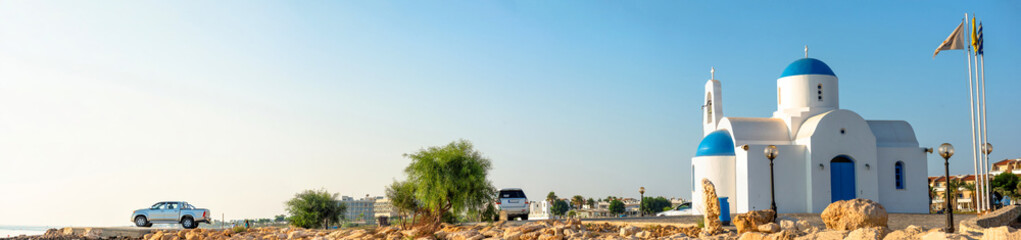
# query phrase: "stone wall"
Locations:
[[1002, 217]]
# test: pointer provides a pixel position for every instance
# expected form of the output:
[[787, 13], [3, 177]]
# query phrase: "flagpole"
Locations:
[[979, 133], [971, 106], [984, 119]]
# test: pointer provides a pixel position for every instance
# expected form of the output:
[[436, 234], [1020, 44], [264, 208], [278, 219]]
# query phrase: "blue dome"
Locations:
[[807, 66], [717, 143]]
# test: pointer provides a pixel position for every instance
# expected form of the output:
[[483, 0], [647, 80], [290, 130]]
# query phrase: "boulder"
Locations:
[[869, 233], [768, 228], [752, 236], [512, 235], [854, 214], [803, 226], [627, 231], [1000, 233], [788, 225], [644, 234], [743, 224], [824, 235], [712, 208]]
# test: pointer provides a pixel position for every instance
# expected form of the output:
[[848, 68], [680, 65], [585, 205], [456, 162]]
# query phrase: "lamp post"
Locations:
[[641, 192], [946, 151], [771, 153]]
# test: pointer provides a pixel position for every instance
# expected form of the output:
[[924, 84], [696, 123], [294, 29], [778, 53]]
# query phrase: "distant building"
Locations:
[[1007, 165], [359, 210], [383, 208]]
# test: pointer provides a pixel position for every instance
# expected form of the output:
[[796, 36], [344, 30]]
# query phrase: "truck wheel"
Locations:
[[188, 223], [140, 221]]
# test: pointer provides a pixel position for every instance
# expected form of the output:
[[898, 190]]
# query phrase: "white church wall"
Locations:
[[914, 196], [822, 135], [720, 171], [789, 177]]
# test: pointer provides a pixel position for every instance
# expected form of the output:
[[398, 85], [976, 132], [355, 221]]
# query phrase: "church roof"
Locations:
[[893, 133], [756, 130], [717, 143], [806, 66]]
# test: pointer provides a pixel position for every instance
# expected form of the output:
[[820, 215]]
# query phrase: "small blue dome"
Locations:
[[807, 66], [717, 143]]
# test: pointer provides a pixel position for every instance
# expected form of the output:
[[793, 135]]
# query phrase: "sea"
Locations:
[[14, 231]]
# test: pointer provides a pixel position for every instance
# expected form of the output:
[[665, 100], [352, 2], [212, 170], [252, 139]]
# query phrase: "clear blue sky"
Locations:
[[110, 106]]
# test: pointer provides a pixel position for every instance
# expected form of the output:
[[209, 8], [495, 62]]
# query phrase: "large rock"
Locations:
[[627, 231], [824, 235], [750, 221], [870, 233], [854, 214], [712, 209], [769, 228], [1000, 233]]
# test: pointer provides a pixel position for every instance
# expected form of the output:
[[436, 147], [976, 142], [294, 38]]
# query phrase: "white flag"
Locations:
[[954, 41]]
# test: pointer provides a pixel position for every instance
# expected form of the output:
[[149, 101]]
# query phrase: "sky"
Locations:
[[235, 106]]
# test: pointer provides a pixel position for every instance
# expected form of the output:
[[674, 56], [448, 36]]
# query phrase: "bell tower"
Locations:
[[712, 104]]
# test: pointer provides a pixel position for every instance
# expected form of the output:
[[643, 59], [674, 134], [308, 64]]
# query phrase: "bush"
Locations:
[[654, 205], [313, 209], [616, 207], [239, 229], [559, 207]]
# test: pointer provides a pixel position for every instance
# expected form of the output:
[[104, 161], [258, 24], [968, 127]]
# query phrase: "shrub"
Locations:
[[313, 209]]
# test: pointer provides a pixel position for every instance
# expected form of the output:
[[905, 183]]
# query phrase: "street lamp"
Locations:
[[641, 201], [771, 153], [946, 151]]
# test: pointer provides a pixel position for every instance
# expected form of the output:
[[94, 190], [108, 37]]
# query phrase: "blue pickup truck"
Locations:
[[172, 212]]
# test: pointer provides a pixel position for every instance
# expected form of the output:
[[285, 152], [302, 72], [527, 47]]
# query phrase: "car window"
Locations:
[[512, 194], [157, 206], [171, 205]]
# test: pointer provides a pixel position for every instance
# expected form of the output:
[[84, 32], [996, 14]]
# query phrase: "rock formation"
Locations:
[[854, 214], [712, 208]]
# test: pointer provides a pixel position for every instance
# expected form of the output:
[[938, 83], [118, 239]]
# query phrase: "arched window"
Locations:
[[898, 172], [820, 91], [709, 110]]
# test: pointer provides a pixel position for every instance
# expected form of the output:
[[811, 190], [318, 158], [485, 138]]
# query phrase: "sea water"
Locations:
[[14, 231]]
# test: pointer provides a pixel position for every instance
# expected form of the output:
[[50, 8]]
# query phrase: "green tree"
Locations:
[[559, 207], [652, 205], [449, 179], [971, 188], [551, 197], [953, 188], [616, 207], [577, 201], [279, 218], [312, 209], [1005, 184], [402, 198], [591, 203]]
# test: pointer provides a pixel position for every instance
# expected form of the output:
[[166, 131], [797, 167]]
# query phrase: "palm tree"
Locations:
[[577, 201], [974, 197], [932, 194], [953, 188]]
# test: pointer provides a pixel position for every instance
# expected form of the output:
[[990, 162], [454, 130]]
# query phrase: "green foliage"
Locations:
[[700, 222], [1005, 184], [279, 218], [577, 201], [349, 225], [559, 207], [616, 207], [239, 229], [591, 203], [654, 205], [312, 209], [551, 197], [572, 213], [490, 214], [668, 208], [450, 178]]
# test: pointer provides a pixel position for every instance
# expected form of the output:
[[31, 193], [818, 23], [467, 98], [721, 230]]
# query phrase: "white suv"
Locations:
[[513, 202]]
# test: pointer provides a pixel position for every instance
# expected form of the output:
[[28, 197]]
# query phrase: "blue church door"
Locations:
[[841, 179]]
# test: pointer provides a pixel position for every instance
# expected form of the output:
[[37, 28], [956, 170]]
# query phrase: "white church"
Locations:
[[826, 153]]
